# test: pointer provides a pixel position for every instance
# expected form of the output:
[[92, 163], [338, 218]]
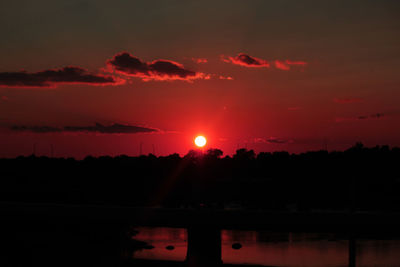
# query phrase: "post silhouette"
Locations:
[[204, 246], [352, 251]]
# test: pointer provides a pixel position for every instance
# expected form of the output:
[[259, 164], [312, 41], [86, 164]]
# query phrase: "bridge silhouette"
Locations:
[[204, 225]]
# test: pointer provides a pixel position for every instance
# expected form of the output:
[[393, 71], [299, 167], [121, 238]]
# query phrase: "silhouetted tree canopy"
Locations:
[[359, 178]]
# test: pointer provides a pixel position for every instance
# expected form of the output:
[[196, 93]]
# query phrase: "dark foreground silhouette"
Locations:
[[65, 212], [359, 178]]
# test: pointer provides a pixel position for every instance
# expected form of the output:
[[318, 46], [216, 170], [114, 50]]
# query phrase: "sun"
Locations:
[[200, 141]]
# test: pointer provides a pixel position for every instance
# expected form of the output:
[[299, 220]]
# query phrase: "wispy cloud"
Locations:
[[272, 140], [115, 128], [245, 60], [199, 60], [296, 63], [54, 77], [286, 65], [375, 116], [281, 65], [225, 77]]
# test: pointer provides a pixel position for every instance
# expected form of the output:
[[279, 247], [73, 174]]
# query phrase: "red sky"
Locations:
[[266, 75]]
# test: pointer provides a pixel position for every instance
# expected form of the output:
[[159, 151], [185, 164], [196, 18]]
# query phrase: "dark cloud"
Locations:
[[347, 100], [36, 129], [375, 116], [272, 140], [246, 61], [53, 77], [362, 117], [115, 128], [161, 70]]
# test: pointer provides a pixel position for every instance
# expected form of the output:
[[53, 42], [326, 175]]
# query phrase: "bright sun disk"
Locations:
[[200, 141]]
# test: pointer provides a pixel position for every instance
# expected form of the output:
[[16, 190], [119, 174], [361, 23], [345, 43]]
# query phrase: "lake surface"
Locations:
[[277, 249]]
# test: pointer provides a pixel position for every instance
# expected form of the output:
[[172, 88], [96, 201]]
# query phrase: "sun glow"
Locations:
[[200, 141]]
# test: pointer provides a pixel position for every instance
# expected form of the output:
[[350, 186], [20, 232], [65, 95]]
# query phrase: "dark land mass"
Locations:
[[66, 212]]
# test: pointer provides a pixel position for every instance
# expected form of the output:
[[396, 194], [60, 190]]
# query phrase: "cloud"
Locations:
[[115, 128], [347, 100], [36, 129], [252, 62], [375, 116], [160, 70], [246, 61], [272, 140], [285, 65], [281, 65], [225, 77], [296, 63], [200, 60], [53, 77]]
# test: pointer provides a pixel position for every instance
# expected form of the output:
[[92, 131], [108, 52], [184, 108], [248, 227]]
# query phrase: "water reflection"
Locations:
[[161, 238], [284, 249], [277, 249]]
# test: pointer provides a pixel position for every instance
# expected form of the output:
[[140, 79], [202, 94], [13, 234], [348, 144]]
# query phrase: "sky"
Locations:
[[100, 77]]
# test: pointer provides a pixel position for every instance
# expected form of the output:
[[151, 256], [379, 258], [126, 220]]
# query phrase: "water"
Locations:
[[277, 249], [160, 238]]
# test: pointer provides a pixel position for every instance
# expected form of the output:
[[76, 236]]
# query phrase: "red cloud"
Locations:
[[253, 62], [53, 77], [347, 100], [285, 65], [200, 60], [246, 61], [281, 65], [225, 77], [160, 70], [296, 63]]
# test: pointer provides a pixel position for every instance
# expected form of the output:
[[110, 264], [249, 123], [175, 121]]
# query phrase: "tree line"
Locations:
[[358, 178]]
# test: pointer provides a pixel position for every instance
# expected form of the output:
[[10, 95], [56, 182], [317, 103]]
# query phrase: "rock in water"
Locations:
[[236, 246]]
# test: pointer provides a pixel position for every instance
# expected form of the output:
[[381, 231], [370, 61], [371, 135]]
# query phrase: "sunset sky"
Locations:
[[106, 77]]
